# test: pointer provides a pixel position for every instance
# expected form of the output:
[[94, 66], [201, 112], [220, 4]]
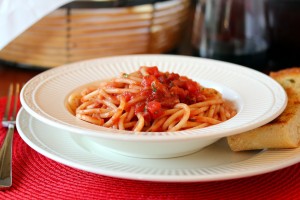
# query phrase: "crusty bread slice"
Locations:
[[282, 132]]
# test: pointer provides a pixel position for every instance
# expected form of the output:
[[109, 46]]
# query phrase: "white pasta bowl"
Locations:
[[257, 98]]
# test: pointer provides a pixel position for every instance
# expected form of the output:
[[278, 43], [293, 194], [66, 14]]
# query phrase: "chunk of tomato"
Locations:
[[154, 108], [153, 71], [147, 80], [139, 107], [192, 86], [173, 76], [146, 92]]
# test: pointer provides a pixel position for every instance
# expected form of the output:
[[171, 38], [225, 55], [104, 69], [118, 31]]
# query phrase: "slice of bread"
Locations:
[[282, 132]]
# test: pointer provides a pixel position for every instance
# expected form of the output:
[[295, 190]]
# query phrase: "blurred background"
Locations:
[[261, 34]]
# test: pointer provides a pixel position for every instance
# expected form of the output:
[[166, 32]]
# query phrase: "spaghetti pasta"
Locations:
[[150, 100]]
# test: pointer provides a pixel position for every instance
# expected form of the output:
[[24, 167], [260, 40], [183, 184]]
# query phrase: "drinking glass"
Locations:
[[232, 30]]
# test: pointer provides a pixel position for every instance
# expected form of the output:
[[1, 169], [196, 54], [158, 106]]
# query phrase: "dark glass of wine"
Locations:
[[233, 31]]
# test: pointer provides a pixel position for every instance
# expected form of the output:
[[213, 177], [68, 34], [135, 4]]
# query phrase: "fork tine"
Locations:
[[16, 100], [8, 102]]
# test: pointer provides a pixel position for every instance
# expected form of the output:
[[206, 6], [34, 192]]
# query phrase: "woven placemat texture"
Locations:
[[37, 177]]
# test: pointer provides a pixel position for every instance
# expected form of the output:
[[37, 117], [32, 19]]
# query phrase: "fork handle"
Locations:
[[6, 158]]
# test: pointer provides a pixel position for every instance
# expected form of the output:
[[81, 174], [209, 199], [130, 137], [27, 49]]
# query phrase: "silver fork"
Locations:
[[9, 121]]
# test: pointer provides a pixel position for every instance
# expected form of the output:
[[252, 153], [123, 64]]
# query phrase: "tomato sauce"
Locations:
[[163, 90]]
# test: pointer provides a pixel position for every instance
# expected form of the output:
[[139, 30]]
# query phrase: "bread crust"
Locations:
[[282, 132]]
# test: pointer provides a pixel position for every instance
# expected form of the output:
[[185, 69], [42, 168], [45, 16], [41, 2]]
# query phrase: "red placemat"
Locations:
[[37, 177]]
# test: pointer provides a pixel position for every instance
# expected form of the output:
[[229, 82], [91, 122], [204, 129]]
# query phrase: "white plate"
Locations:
[[258, 99], [215, 162]]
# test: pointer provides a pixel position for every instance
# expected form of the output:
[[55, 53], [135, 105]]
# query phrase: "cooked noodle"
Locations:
[[152, 101]]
